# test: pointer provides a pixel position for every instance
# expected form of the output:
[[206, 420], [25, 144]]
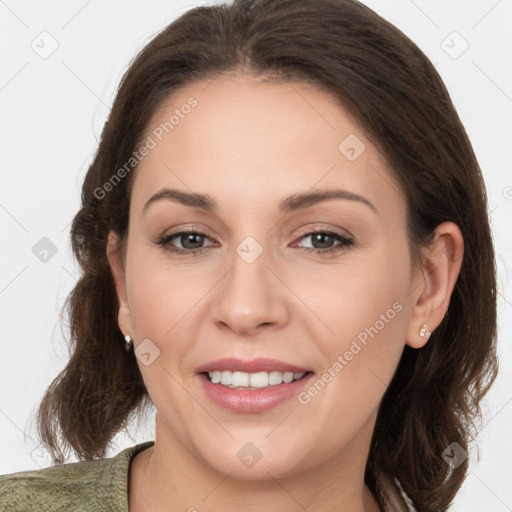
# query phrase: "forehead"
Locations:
[[250, 141]]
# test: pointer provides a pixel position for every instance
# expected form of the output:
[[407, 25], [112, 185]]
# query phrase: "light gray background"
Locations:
[[52, 112]]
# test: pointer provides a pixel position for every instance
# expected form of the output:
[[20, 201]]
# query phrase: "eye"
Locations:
[[191, 242], [322, 242]]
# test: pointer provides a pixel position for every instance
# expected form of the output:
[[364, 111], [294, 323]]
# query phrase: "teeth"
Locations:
[[252, 380]]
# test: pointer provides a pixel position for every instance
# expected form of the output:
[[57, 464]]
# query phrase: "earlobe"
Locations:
[[431, 292], [424, 332]]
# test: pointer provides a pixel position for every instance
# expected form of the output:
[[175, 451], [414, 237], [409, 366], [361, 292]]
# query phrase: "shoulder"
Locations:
[[97, 485], [60, 487]]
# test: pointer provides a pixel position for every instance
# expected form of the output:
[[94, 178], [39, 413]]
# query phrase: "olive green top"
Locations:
[[86, 486], [101, 485]]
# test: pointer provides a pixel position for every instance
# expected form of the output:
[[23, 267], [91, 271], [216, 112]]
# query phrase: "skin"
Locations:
[[248, 145]]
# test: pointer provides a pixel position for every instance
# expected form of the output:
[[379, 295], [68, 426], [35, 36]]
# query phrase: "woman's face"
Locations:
[[255, 281]]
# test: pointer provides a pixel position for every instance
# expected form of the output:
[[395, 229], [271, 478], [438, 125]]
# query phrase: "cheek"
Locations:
[[368, 341], [160, 295], [356, 298], [364, 314], [360, 358]]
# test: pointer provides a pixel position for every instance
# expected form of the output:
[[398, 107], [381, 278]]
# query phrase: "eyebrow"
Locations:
[[292, 203]]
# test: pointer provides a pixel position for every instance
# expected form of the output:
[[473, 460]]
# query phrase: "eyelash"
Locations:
[[345, 242]]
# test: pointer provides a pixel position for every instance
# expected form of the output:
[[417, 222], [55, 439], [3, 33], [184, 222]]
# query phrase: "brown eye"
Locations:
[[322, 242], [191, 242]]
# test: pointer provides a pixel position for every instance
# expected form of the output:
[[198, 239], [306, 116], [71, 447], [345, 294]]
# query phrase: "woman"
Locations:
[[285, 225]]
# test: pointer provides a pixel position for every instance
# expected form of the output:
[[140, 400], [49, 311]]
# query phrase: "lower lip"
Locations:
[[256, 400]]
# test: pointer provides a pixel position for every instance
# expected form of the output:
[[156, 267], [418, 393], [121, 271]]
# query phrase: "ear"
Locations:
[[434, 282], [118, 273]]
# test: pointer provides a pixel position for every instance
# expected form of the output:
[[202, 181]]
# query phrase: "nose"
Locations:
[[250, 297]]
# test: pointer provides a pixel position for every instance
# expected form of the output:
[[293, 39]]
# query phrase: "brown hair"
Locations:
[[391, 88]]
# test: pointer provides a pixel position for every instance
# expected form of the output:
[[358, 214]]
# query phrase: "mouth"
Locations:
[[252, 392], [252, 386]]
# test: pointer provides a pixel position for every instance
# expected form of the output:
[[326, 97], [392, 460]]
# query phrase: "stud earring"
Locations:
[[129, 343], [424, 332]]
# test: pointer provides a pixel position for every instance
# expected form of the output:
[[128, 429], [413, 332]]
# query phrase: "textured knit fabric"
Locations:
[[88, 486], [102, 486]]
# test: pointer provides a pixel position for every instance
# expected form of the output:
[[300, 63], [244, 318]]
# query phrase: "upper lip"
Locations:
[[258, 364]]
